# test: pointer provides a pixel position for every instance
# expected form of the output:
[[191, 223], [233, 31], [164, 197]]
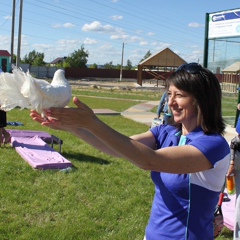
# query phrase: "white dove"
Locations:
[[20, 89]]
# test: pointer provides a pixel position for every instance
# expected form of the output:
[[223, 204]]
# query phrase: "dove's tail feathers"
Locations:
[[27, 87], [7, 106], [10, 95]]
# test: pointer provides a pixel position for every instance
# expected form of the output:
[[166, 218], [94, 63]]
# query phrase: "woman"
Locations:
[[188, 160]]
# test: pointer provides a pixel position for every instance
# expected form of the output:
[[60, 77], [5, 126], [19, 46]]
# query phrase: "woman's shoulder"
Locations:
[[199, 136], [212, 144]]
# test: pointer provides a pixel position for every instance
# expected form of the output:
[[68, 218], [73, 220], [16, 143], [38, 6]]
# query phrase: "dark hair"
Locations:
[[205, 88]]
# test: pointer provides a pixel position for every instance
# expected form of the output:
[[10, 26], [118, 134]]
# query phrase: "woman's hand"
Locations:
[[67, 119], [231, 170]]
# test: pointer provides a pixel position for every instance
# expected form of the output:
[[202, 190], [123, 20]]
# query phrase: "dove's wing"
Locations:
[[43, 95]]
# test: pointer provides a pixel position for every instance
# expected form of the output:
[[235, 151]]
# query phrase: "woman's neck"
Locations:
[[187, 130]]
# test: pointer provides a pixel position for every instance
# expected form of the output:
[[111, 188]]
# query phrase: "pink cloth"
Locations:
[[38, 153], [228, 209], [46, 137]]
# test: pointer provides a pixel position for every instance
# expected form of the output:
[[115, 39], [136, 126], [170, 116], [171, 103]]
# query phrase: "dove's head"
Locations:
[[59, 78], [60, 73]]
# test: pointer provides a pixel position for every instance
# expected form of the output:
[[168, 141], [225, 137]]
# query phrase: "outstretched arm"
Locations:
[[140, 149]]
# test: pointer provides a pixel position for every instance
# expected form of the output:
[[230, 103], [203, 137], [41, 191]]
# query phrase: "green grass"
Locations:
[[102, 198], [115, 93]]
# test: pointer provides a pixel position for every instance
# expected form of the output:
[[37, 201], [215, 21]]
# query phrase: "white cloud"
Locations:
[[68, 25], [154, 43], [99, 54], [56, 25], [9, 17], [43, 47], [98, 27], [162, 45], [89, 41], [4, 40], [135, 39], [192, 46], [121, 36], [24, 40], [65, 25], [68, 42], [139, 31], [195, 25], [115, 17], [143, 43], [151, 34], [106, 47]]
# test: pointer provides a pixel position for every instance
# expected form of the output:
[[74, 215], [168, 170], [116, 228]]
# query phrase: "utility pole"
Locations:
[[122, 62], [13, 26], [19, 33]]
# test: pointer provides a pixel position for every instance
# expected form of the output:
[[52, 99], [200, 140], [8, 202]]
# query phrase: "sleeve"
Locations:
[[214, 147], [165, 136]]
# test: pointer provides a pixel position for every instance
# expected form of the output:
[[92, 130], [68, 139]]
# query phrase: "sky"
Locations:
[[109, 30]]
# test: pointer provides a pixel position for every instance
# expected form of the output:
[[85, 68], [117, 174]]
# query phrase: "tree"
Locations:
[[148, 54], [129, 65], [77, 59], [14, 60], [109, 65], [38, 61], [95, 66], [118, 67], [34, 58]]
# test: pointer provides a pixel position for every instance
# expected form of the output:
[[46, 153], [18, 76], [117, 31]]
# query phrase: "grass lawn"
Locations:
[[102, 198]]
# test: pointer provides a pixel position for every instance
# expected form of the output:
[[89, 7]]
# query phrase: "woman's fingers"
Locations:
[[65, 118]]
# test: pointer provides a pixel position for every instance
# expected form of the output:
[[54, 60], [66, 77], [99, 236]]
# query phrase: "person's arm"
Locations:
[[140, 149], [145, 138], [160, 105]]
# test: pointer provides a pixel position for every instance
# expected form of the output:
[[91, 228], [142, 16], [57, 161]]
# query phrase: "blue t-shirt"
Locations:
[[238, 126], [184, 204]]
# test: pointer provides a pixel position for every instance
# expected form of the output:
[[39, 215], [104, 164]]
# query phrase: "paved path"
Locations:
[[141, 112]]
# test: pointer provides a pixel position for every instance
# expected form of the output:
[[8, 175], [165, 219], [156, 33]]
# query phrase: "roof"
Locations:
[[164, 58], [4, 53], [234, 68], [57, 60]]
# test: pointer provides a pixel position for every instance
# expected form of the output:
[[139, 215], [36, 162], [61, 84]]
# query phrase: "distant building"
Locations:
[[57, 61], [163, 61], [5, 61]]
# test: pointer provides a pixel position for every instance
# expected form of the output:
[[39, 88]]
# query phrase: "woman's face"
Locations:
[[183, 107]]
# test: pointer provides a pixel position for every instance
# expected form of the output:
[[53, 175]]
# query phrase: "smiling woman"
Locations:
[[188, 158]]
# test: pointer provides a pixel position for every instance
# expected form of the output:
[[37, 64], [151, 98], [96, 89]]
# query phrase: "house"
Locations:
[[58, 60], [231, 77], [5, 61]]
